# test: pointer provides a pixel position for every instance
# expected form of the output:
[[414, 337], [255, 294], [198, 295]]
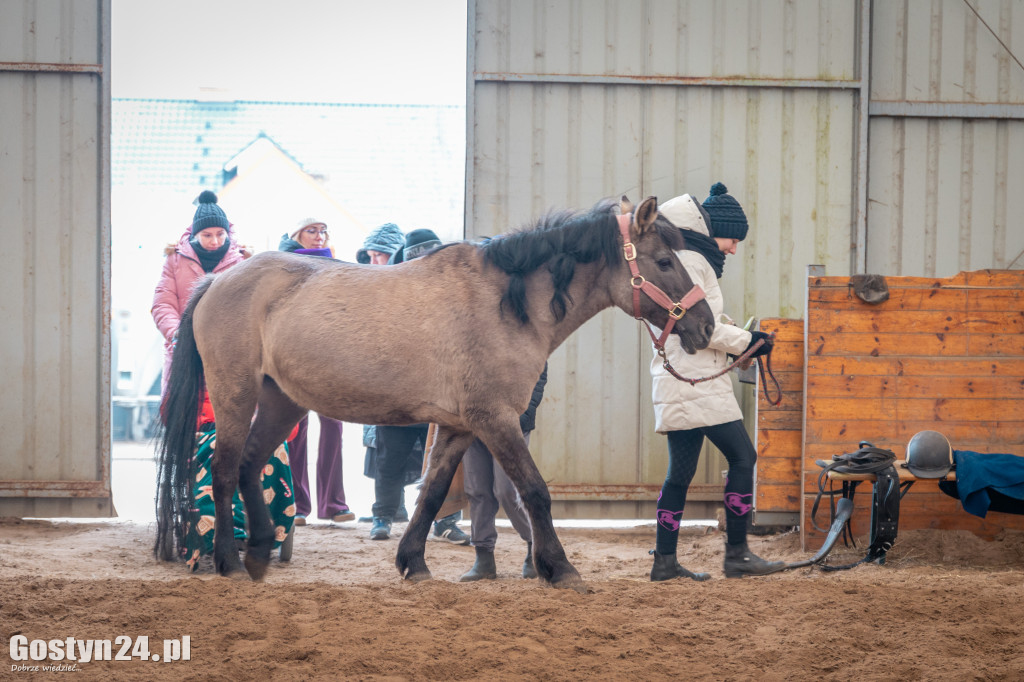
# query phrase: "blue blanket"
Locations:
[[987, 482]]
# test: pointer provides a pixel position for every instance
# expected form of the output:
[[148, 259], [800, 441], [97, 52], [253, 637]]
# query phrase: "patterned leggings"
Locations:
[[683, 452]]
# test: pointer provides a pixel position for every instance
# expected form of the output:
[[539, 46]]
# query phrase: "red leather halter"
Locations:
[[639, 283], [676, 312]]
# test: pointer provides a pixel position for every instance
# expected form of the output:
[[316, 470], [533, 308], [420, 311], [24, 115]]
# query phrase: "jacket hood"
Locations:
[[288, 244], [387, 238], [685, 213]]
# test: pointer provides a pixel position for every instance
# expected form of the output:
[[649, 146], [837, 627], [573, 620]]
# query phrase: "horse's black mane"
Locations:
[[560, 240]]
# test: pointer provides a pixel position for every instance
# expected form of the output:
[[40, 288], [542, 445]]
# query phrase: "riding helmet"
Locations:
[[929, 455]]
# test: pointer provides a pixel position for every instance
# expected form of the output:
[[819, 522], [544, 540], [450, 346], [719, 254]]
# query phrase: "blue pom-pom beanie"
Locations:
[[208, 213], [727, 218]]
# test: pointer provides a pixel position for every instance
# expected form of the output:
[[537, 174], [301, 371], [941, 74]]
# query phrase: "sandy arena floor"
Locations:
[[946, 606]]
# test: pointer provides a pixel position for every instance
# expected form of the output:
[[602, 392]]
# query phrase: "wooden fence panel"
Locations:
[[779, 430], [941, 354]]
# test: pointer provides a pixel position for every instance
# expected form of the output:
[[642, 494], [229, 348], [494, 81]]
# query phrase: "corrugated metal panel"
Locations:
[[786, 155], [575, 101], [778, 39], [555, 146], [945, 196], [54, 186], [943, 51], [943, 178]]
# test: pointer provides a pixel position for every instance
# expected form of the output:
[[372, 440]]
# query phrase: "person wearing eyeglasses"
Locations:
[[311, 238]]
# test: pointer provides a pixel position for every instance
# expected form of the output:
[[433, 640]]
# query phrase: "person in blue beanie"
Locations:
[[689, 413]]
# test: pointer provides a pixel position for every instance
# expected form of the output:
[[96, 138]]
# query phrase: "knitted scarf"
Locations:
[[209, 259], [707, 247]]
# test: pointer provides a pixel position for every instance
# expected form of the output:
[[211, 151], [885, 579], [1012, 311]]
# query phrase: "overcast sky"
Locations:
[[365, 51]]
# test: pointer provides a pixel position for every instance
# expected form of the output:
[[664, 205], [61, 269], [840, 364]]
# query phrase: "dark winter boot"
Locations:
[[666, 567], [740, 561], [529, 572], [483, 568]]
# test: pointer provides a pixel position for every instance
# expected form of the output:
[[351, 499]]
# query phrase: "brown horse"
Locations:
[[457, 337]]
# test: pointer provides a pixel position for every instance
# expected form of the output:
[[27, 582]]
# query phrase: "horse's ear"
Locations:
[[645, 216], [625, 205]]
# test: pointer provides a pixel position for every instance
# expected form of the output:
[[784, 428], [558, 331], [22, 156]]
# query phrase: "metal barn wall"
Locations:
[[947, 137], [54, 189], [570, 102]]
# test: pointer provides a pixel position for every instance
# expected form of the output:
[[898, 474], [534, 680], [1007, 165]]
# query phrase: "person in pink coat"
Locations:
[[208, 245]]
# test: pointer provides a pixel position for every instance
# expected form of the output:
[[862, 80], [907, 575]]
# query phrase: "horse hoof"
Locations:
[[256, 569], [233, 570], [419, 577], [570, 582]]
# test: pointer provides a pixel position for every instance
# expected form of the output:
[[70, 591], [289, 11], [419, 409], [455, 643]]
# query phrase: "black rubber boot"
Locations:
[[529, 571], [483, 568], [666, 567], [740, 561]]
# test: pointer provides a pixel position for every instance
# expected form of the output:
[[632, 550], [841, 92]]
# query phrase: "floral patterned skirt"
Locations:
[[276, 478]]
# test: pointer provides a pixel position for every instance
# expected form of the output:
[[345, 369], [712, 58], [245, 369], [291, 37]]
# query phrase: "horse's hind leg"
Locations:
[[506, 443], [275, 417], [226, 456], [448, 449]]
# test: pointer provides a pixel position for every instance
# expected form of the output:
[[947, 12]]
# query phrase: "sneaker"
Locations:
[[381, 529], [299, 521], [401, 515], [448, 531], [341, 517]]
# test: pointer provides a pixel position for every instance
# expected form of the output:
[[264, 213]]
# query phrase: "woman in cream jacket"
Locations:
[[688, 413]]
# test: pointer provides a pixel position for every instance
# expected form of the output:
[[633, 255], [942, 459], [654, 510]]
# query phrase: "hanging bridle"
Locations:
[[676, 312]]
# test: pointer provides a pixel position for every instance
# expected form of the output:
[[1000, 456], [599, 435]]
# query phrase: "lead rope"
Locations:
[[740, 360]]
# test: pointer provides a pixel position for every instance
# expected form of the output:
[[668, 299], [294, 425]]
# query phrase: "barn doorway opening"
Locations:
[[347, 111]]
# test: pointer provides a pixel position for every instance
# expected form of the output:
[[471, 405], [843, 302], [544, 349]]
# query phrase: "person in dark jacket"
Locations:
[[487, 487], [311, 238], [400, 448], [382, 242]]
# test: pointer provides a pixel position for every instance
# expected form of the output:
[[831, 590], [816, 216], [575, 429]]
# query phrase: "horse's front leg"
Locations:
[[506, 443], [444, 458], [225, 480]]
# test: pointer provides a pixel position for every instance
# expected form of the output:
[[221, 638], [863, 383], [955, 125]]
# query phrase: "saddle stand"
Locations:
[[887, 491]]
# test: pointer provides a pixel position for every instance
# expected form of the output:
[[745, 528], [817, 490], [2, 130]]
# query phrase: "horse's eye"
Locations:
[[665, 263]]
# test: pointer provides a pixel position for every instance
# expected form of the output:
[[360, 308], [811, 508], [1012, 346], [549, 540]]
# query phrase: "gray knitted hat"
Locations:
[[387, 239], [208, 214]]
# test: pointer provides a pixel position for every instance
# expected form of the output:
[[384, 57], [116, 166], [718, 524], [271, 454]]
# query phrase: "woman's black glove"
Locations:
[[764, 348]]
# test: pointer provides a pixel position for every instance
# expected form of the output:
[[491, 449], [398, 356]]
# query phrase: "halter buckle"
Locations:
[[633, 280], [629, 251], [677, 315]]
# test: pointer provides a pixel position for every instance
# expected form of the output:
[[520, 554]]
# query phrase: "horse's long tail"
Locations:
[[175, 497]]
